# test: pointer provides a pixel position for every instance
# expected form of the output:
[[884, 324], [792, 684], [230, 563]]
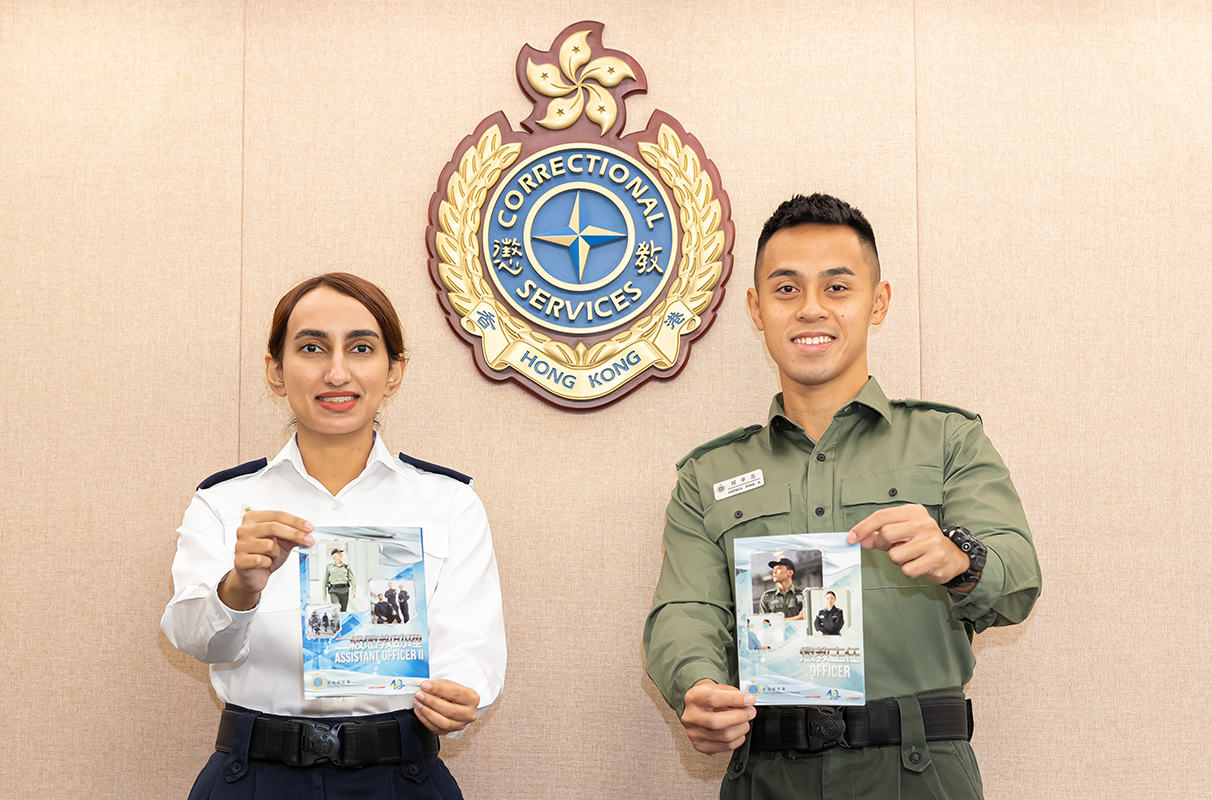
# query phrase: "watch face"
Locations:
[[970, 546]]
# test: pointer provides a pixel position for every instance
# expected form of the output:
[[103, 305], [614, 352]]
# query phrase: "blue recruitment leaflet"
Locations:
[[810, 658], [363, 612]]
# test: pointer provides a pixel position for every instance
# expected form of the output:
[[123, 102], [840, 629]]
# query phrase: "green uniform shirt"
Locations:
[[774, 601], [876, 453], [338, 575]]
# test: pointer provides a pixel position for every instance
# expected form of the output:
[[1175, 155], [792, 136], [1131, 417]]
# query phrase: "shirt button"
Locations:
[[820, 512], [739, 514], [915, 757], [336, 506], [820, 456], [892, 492]]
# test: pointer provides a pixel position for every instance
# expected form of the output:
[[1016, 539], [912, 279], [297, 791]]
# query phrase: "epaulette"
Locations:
[[425, 466], [910, 402], [247, 468], [720, 441]]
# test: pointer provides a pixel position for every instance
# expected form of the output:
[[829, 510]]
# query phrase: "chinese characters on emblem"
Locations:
[[646, 258], [507, 255], [486, 320]]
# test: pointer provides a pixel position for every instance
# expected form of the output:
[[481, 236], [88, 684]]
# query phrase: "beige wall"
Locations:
[[1040, 178]]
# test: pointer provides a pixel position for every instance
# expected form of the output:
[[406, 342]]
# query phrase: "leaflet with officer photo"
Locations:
[[799, 611], [363, 612]]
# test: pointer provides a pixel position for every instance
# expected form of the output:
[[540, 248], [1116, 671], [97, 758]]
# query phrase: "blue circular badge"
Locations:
[[579, 238]]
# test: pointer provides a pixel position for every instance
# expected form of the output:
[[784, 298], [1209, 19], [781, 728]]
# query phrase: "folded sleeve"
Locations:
[[979, 495]]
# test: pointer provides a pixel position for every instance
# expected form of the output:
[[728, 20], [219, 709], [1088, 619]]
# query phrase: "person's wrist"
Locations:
[[233, 596], [973, 551]]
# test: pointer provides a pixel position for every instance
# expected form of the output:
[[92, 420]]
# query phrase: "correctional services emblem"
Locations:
[[575, 261]]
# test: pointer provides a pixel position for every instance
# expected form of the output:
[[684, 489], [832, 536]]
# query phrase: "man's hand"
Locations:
[[913, 541], [717, 717], [263, 541], [445, 706]]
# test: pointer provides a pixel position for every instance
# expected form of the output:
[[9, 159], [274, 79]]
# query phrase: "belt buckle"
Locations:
[[826, 728], [319, 742]]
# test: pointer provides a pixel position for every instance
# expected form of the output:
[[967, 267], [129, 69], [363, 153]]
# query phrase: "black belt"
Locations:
[[810, 729], [301, 742]]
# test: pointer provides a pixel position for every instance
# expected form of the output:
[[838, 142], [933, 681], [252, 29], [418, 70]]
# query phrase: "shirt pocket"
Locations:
[[764, 511], [864, 493]]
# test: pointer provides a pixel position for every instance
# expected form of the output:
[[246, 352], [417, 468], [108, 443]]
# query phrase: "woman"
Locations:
[[336, 352]]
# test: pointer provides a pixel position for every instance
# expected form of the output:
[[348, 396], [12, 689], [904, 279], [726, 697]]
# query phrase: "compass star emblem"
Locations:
[[579, 239]]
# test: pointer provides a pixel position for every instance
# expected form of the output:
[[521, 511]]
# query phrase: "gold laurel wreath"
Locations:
[[459, 251]]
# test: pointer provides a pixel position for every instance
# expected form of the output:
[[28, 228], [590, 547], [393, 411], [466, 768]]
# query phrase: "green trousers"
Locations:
[[911, 770]]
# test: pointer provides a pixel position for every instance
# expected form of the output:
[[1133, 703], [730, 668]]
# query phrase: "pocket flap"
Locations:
[[764, 501], [435, 541], [921, 484]]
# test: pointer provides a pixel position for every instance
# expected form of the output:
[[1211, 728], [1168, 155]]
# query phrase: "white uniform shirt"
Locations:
[[256, 656]]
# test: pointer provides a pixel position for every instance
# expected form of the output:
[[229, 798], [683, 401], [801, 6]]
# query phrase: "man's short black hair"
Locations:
[[817, 209]]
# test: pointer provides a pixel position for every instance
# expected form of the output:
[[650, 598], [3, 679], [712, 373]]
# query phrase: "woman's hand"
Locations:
[[445, 706], [263, 542]]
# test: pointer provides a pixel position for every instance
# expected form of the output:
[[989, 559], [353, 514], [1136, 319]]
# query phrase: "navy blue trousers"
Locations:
[[232, 776]]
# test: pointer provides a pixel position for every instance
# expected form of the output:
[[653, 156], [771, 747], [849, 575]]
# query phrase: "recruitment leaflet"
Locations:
[[363, 612], [799, 612]]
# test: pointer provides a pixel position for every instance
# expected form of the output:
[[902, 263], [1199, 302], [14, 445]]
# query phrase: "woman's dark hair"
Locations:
[[359, 289]]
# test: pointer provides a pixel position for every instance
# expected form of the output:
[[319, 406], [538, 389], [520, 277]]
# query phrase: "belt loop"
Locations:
[[236, 765], [412, 755], [740, 756], [915, 755]]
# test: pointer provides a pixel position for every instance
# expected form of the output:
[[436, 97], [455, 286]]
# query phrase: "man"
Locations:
[[784, 598], [402, 599], [905, 478], [755, 641], [338, 580], [390, 596], [384, 613], [829, 620]]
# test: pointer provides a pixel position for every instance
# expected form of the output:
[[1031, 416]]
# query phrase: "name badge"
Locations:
[[741, 483]]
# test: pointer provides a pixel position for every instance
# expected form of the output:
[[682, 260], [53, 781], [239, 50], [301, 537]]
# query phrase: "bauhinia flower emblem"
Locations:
[[572, 86]]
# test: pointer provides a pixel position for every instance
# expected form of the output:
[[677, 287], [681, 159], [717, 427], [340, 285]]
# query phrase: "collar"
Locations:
[[870, 396], [378, 455]]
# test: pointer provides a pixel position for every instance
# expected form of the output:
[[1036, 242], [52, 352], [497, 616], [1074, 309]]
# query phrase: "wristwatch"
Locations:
[[972, 547]]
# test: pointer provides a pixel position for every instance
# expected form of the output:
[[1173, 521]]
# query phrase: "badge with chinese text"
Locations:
[[575, 261]]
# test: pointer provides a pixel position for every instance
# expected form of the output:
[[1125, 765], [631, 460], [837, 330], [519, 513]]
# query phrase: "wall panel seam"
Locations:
[[917, 208], [243, 190]]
